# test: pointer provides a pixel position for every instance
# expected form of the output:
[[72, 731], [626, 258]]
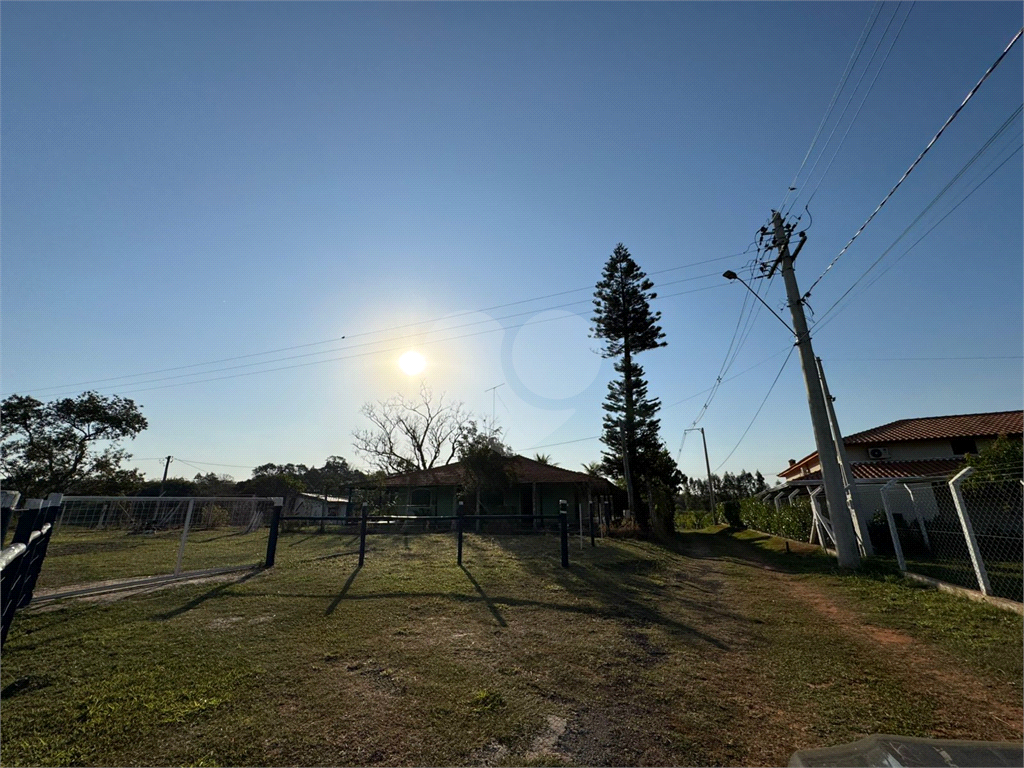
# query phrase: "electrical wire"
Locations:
[[854, 56], [827, 316], [867, 93], [913, 165], [379, 330], [375, 352], [758, 412], [390, 340]]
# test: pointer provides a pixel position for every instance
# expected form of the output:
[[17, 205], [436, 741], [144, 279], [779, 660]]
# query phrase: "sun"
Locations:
[[411, 363]]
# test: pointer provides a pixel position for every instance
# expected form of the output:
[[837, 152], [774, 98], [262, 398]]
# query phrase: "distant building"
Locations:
[[536, 490], [930, 447]]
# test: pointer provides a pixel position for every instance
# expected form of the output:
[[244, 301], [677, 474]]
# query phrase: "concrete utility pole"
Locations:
[[707, 465], [167, 464], [831, 475], [849, 482]]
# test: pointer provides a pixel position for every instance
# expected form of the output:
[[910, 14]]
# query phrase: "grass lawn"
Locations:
[[717, 650]]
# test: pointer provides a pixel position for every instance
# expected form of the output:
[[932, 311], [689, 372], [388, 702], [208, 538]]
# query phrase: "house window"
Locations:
[[420, 502], [962, 445]]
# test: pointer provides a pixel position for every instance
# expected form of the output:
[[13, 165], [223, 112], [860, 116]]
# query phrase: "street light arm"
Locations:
[[730, 275]]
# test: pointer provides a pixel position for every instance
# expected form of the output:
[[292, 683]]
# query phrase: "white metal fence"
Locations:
[[110, 538], [965, 530]]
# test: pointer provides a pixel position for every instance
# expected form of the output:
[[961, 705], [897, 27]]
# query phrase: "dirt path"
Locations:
[[964, 704]]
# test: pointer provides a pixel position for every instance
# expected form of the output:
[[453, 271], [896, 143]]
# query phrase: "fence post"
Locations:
[[458, 529], [920, 520], [37, 549], [6, 513], [184, 536], [563, 529], [823, 526], [590, 506], [362, 535], [965, 523], [884, 493], [275, 525]]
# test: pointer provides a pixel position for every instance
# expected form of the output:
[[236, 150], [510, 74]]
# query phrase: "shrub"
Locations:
[[730, 511], [790, 521]]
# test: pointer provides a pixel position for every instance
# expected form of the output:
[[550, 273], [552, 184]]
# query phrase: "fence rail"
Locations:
[[417, 524], [20, 563]]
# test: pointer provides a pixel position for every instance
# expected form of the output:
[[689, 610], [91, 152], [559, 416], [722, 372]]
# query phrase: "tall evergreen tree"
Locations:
[[623, 320]]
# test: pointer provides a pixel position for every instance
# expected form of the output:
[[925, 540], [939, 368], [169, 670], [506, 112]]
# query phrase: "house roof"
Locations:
[[526, 471], [885, 470], [929, 428], [939, 427]]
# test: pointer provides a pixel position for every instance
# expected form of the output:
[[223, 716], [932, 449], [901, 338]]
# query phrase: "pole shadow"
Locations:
[[487, 600], [344, 590]]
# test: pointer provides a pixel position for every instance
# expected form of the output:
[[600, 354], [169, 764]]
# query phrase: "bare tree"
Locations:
[[411, 434]]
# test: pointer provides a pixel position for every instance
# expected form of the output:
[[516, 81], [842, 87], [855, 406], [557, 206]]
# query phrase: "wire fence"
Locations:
[[967, 531], [111, 538]]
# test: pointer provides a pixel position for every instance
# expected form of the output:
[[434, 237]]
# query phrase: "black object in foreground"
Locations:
[[913, 751]]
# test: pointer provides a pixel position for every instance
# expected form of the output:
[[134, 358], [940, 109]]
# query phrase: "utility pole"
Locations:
[[831, 475], [167, 464], [707, 465], [849, 483]]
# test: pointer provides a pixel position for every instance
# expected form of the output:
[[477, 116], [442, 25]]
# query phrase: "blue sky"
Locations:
[[191, 182]]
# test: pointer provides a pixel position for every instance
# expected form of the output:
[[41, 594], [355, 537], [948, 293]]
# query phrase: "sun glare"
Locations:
[[412, 363]]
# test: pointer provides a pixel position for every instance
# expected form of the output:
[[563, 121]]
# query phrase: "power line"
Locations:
[[757, 413], [913, 165], [854, 56], [867, 93], [380, 330], [822, 321], [212, 463], [375, 352], [390, 340]]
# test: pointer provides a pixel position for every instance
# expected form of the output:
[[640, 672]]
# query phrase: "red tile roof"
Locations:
[[883, 470], [526, 471], [939, 427], [1009, 423]]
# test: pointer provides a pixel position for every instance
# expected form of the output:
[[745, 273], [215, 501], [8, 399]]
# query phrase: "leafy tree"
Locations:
[[1003, 459], [593, 468], [335, 474], [623, 320], [411, 434], [484, 460], [68, 445], [545, 458], [210, 484], [173, 486]]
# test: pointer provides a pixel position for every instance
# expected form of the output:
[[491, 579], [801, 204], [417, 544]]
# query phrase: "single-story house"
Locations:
[[924, 448], [537, 489], [312, 505]]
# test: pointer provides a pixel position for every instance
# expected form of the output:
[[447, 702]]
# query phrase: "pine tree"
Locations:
[[624, 321]]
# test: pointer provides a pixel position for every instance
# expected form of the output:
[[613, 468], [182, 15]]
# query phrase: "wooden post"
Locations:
[[590, 507], [275, 524], [362, 536], [458, 528], [563, 529]]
